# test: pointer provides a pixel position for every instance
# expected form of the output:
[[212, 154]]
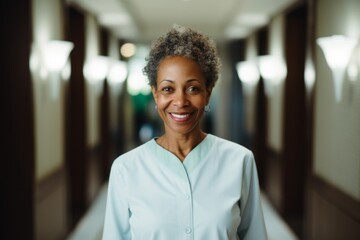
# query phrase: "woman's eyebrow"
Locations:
[[166, 80], [192, 80], [187, 81]]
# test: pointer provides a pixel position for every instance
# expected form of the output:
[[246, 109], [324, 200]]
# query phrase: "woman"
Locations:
[[185, 184]]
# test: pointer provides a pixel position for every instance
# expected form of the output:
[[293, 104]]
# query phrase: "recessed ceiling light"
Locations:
[[112, 19], [128, 50], [251, 19]]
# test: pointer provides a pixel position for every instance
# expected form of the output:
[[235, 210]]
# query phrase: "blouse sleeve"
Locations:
[[117, 213], [252, 226]]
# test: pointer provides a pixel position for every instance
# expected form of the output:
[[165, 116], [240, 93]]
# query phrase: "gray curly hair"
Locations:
[[185, 42]]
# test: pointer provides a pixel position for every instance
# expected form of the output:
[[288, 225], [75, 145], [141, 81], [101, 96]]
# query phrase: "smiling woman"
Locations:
[[185, 184]]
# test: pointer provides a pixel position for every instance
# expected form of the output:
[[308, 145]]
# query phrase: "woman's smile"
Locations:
[[180, 117]]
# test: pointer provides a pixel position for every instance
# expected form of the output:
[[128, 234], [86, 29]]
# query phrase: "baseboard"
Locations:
[[332, 214], [51, 213]]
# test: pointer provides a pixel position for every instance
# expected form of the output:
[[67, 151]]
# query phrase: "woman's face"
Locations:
[[181, 94]]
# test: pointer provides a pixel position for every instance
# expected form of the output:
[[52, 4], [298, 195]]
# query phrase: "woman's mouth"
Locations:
[[180, 117]]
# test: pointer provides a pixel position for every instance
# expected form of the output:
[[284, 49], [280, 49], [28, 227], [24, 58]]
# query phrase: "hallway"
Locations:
[[73, 98]]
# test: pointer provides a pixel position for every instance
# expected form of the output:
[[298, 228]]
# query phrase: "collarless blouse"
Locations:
[[212, 195]]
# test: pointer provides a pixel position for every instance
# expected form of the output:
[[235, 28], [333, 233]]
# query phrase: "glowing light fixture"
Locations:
[[55, 54], [273, 70], [249, 75], [337, 50], [50, 58], [117, 75], [118, 72], [128, 50], [96, 70]]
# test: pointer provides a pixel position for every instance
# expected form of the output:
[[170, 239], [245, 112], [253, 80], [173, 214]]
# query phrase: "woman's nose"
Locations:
[[180, 99]]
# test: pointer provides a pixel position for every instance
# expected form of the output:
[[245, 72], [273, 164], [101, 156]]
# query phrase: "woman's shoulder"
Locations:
[[223, 144], [231, 152], [134, 155]]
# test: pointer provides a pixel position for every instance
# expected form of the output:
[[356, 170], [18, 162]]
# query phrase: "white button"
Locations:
[[187, 196], [187, 230]]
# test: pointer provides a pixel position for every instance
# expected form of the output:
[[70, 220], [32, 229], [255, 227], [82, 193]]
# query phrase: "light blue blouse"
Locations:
[[212, 195]]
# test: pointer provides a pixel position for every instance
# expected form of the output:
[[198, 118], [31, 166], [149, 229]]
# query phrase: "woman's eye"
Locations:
[[166, 89], [193, 89]]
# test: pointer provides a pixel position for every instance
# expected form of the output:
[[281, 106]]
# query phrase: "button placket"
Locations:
[[188, 196], [185, 208]]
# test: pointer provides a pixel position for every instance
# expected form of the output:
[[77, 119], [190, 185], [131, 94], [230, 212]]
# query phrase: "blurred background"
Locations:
[[73, 98]]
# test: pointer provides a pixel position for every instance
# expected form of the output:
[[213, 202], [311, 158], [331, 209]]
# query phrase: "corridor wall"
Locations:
[[337, 152], [70, 144], [50, 182], [334, 192], [277, 110]]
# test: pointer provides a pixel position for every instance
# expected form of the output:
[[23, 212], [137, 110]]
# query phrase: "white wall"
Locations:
[[92, 49], [49, 120], [337, 125], [251, 54], [114, 90], [50, 205], [275, 100]]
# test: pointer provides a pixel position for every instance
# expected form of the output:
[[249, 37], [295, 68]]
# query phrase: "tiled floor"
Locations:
[[90, 228]]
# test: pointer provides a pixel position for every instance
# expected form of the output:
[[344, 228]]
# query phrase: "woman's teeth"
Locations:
[[180, 115]]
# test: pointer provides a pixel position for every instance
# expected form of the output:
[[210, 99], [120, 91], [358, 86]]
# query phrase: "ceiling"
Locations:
[[144, 20]]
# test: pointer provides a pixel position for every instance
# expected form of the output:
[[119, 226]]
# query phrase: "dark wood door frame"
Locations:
[[76, 155], [17, 171]]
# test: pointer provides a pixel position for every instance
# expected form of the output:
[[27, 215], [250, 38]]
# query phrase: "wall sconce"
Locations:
[[273, 70], [54, 56], [117, 75], [47, 62], [95, 71], [249, 75], [337, 50]]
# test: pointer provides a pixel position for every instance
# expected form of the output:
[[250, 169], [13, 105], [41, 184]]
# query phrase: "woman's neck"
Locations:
[[180, 145]]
